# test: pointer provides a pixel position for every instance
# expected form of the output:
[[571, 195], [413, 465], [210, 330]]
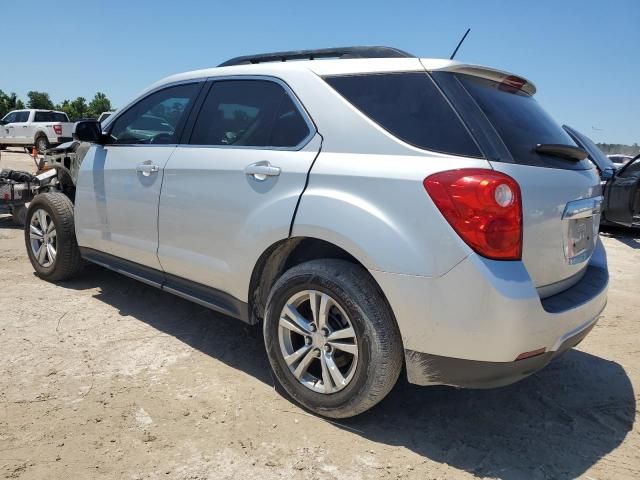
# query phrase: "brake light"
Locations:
[[57, 129], [483, 206], [512, 83]]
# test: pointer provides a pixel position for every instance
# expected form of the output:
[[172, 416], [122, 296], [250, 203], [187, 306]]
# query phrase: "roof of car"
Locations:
[[345, 67]]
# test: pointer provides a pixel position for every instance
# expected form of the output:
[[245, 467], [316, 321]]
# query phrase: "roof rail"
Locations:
[[344, 52]]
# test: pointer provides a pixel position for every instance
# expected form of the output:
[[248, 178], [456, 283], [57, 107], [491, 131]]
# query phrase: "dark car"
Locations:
[[620, 183]]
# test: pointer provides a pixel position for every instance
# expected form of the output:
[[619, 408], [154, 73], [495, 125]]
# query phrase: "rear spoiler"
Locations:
[[490, 74]]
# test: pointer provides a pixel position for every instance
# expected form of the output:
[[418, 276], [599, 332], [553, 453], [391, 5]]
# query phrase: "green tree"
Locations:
[[99, 104], [9, 102], [39, 100], [75, 109]]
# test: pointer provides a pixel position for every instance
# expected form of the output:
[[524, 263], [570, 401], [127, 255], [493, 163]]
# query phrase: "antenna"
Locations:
[[459, 43]]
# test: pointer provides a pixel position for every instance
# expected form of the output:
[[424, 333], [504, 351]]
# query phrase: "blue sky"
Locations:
[[584, 56]]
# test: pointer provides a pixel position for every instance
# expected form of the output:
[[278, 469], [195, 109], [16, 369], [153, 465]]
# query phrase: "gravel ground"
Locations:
[[103, 377]]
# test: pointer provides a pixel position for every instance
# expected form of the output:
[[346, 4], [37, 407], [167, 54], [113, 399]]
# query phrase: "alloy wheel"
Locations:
[[42, 237], [318, 341]]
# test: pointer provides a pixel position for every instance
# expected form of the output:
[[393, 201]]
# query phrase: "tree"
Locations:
[[39, 100], [75, 109], [99, 104], [9, 102]]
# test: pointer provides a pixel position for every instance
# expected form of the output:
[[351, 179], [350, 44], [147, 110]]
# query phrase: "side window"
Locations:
[[255, 113], [10, 118], [410, 107], [22, 117], [156, 119], [632, 169]]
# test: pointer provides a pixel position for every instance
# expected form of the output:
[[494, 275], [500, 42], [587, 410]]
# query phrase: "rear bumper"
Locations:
[[467, 327], [426, 369]]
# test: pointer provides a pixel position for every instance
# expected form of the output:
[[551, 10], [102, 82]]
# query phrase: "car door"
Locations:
[[8, 128], [232, 191], [119, 182], [623, 195], [21, 128]]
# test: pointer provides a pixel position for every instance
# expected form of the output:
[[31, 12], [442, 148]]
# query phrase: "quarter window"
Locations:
[[410, 107], [250, 113], [156, 119]]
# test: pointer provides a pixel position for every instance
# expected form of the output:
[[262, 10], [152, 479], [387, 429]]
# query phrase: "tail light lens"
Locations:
[[483, 206], [57, 129]]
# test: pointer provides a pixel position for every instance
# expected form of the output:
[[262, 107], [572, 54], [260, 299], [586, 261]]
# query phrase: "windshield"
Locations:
[[518, 119], [596, 155]]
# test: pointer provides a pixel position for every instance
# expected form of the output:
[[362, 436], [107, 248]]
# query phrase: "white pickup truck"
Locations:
[[41, 128]]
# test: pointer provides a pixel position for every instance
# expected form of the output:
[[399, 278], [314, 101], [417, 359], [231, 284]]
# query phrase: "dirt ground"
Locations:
[[104, 377]]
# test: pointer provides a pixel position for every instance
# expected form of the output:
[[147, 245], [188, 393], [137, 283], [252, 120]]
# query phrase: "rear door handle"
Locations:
[[147, 168], [261, 170]]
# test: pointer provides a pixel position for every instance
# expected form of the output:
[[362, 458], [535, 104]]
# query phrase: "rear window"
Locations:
[[518, 118], [409, 106], [50, 117]]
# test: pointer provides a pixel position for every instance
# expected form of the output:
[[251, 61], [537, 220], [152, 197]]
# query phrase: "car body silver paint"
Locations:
[[482, 309], [364, 194], [118, 206], [215, 220], [543, 248]]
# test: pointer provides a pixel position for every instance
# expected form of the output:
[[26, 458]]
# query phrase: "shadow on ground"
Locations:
[[628, 236], [555, 424]]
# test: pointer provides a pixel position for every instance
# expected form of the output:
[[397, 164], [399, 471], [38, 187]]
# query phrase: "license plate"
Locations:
[[580, 239]]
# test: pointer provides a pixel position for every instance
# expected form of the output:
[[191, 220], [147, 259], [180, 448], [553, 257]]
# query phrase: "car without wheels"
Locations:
[[371, 210]]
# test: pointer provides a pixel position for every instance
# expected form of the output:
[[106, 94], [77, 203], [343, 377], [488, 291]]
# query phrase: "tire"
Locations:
[[356, 302], [65, 262], [42, 144], [19, 215]]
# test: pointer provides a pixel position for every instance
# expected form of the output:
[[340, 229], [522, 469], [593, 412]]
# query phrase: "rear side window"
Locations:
[[249, 113], [409, 106], [518, 118], [50, 117]]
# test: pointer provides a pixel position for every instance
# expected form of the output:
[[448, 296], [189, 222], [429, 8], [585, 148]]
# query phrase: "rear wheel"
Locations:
[[331, 339], [42, 144], [50, 237]]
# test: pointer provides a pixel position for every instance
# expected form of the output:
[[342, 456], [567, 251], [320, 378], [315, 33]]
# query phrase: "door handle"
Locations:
[[261, 170], [147, 168]]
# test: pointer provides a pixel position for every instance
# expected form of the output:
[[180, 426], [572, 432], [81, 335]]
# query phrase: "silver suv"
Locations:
[[373, 211]]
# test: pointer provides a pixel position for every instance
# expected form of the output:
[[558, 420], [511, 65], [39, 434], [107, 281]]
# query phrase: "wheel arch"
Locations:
[[287, 253]]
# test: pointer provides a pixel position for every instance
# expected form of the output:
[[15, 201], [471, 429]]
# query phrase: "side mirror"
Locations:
[[87, 131], [608, 173], [2, 122]]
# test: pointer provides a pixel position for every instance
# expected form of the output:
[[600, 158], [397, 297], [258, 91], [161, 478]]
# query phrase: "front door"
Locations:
[[623, 195], [232, 192], [119, 183]]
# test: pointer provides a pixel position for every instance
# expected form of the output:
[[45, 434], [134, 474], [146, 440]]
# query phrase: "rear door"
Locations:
[[232, 191], [623, 195], [561, 197], [119, 183]]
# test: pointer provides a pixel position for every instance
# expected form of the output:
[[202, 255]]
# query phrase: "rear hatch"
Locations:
[[561, 193]]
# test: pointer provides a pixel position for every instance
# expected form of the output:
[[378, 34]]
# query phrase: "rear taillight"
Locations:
[[483, 206], [57, 129]]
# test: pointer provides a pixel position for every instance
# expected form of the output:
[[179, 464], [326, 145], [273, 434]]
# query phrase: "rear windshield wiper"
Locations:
[[563, 151]]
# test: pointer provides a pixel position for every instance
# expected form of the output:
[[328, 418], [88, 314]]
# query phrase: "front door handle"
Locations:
[[261, 170], [147, 168]]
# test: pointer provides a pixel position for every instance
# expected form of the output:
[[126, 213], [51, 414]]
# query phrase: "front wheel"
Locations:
[[331, 339], [50, 237]]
